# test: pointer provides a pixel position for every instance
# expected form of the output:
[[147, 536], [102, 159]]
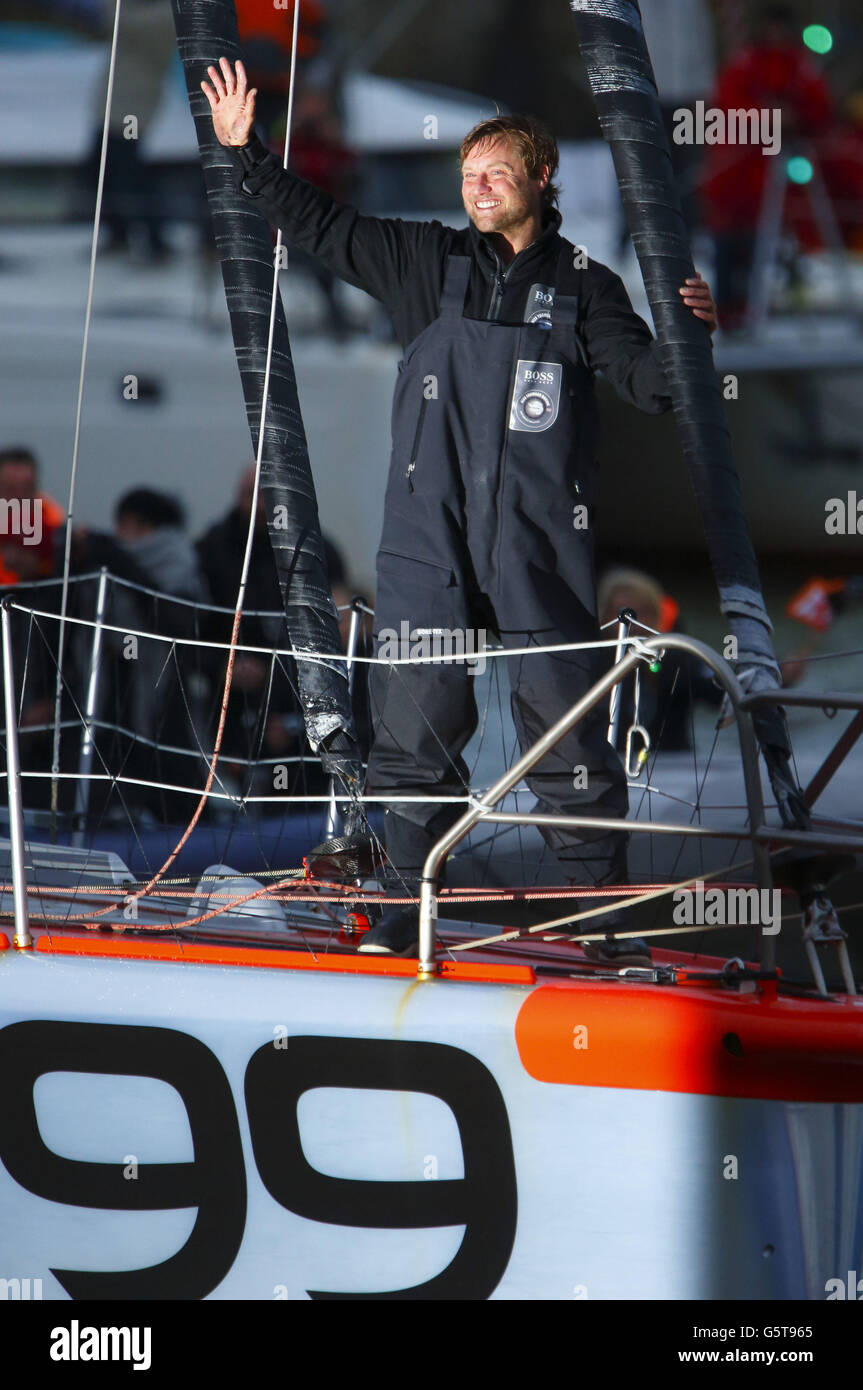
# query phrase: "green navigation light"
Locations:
[[799, 170], [818, 38]]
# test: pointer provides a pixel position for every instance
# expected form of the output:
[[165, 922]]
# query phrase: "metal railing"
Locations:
[[483, 809], [757, 833]]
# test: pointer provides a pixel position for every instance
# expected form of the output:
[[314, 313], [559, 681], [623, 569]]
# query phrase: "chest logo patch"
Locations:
[[535, 396], [539, 305]]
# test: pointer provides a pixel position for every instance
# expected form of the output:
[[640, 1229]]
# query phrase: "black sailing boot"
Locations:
[[396, 934], [407, 844]]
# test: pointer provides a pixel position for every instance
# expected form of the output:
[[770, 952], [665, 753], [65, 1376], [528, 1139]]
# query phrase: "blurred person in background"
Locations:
[[667, 699], [264, 715], [150, 527], [817, 606], [774, 73], [680, 40], [166, 685], [486, 526], [31, 531], [318, 153], [266, 31], [146, 46], [221, 551]]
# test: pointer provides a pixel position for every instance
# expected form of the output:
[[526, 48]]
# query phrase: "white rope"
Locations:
[[274, 299], [107, 727], [323, 657], [613, 905], [70, 508], [301, 800], [167, 597]]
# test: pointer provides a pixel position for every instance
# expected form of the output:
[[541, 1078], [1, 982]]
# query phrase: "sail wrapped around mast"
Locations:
[[207, 31], [614, 51]]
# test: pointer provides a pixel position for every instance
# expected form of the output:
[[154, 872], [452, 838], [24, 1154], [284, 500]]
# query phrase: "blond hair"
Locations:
[[533, 140]]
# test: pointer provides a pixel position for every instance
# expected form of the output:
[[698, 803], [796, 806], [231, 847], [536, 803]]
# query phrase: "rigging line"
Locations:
[[171, 598], [490, 650], [193, 725], [192, 921], [304, 762], [699, 808], [508, 761], [699, 789], [325, 658], [253, 514], [251, 767], [70, 508], [314, 890], [57, 580], [447, 755], [198, 754], [612, 906], [323, 800], [91, 776], [26, 669], [84, 866]]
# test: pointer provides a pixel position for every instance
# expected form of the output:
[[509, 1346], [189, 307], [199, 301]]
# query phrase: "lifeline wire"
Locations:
[[67, 556]]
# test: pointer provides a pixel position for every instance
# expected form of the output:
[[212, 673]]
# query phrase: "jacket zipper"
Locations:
[[411, 468], [493, 311], [498, 288]]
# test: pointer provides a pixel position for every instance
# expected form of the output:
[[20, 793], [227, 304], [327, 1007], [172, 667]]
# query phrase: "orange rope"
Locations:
[[452, 895]]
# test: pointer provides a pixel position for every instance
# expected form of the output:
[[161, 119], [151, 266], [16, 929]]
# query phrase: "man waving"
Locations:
[[488, 519]]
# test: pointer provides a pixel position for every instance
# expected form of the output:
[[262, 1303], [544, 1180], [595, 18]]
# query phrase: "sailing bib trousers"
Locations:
[[488, 525]]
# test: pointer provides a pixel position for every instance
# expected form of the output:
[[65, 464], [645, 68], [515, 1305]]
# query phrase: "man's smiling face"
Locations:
[[497, 192]]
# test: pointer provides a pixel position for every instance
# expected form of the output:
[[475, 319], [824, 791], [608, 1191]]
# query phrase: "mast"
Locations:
[[614, 51], [206, 31]]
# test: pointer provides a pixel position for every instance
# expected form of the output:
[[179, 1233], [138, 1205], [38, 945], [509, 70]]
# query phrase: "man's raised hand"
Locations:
[[232, 105]]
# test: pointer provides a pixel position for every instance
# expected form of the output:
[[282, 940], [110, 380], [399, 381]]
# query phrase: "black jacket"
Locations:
[[402, 264]]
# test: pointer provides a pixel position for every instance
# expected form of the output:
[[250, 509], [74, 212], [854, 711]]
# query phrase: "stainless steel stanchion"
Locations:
[[22, 940], [85, 760]]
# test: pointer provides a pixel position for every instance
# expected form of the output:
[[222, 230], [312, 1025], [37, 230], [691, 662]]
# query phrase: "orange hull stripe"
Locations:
[[203, 953], [694, 1041]]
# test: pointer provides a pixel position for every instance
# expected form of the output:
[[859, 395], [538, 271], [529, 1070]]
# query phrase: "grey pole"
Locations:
[[353, 632], [428, 884], [332, 808], [22, 940], [765, 948], [85, 760], [624, 623]]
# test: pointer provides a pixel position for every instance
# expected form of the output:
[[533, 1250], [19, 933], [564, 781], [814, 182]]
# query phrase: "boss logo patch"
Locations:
[[539, 305], [535, 396]]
